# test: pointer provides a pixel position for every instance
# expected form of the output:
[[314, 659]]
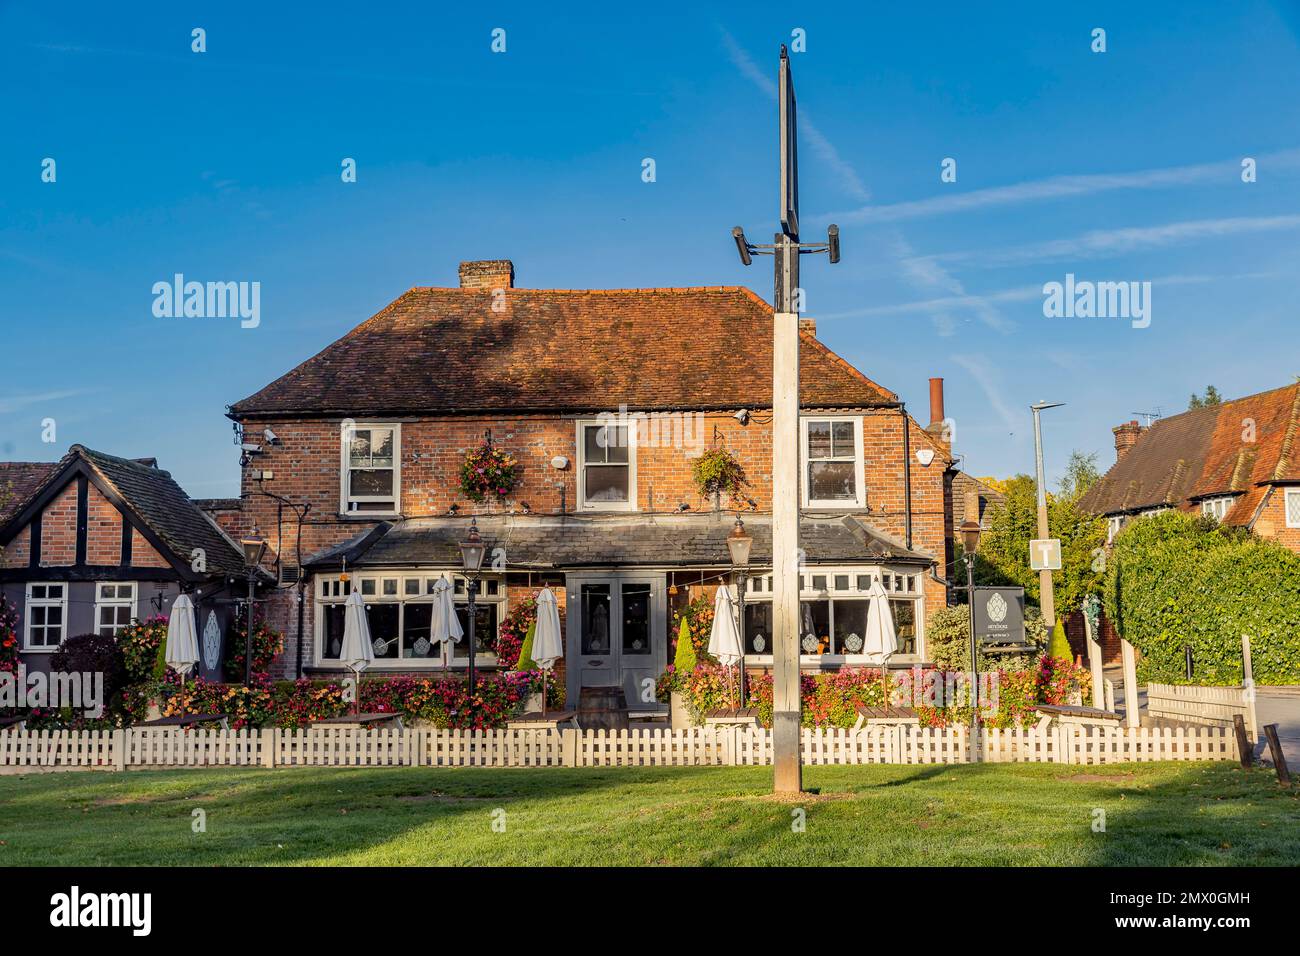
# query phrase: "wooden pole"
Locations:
[[1279, 758], [1094, 663], [1248, 686], [1131, 716], [786, 759], [1244, 750]]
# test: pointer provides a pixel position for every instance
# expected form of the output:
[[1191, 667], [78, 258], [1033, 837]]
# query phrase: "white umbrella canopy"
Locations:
[[724, 639], [182, 636], [356, 652], [446, 625], [547, 646], [881, 640]]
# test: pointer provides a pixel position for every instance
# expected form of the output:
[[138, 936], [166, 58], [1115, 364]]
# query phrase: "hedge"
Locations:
[[1175, 580]]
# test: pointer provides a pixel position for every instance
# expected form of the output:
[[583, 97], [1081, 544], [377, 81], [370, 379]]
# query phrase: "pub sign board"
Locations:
[[1000, 615]]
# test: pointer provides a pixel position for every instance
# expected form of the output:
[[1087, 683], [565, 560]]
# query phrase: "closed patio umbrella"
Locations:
[[881, 639], [446, 626], [547, 646], [724, 638], [356, 652], [182, 636]]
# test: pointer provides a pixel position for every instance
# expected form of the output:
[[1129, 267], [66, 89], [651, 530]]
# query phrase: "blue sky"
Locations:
[[1115, 166]]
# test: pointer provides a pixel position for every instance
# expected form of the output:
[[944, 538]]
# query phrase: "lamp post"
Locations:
[[970, 543], [1046, 597], [472, 550], [738, 546], [254, 548]]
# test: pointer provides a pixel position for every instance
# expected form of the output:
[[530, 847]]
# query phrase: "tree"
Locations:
[[1208, 400], [1003, 557], [1080, 474]]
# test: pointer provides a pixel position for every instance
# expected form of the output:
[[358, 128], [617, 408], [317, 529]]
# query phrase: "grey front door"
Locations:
[[617, 635]]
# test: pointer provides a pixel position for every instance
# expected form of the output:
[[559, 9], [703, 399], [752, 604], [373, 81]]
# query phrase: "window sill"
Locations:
[[458, 666], [368, 515], [831, 507], [39, 650]]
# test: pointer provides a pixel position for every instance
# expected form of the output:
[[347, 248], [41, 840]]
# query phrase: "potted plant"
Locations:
[[684, 661], [718, 471]]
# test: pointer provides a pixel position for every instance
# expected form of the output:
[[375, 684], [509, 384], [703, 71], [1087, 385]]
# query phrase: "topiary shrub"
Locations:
[[526, 662], [684, 659], [1060, 644]]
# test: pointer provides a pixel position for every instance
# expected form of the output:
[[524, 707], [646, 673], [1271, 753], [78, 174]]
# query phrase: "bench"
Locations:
[[551, 720], [732, 717], [187, 720], [363, 720], [885, 716], [13, 723], [1077, 715]]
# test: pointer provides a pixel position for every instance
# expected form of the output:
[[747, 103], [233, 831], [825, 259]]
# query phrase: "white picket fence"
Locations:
[[694, 747], [1203, 705]]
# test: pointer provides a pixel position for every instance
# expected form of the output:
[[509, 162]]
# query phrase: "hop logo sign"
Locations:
[[997, 608]]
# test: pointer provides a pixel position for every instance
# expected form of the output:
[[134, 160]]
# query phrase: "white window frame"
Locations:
[[758, 591], [1114, 525], [1218, 506], [1290, 493], [101, 602], [581, 457], [346, 499], [859, 473], [34, 602], [330, 589]]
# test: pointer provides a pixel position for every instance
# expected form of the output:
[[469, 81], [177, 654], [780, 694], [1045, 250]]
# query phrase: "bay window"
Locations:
[[371, 469], [833, 614], [399, 612]]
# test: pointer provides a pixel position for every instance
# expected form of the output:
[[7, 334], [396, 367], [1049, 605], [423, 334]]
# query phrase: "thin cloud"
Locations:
[[1059, 187], [824, 148], [1101, 243], [12, 403], [978, 369]]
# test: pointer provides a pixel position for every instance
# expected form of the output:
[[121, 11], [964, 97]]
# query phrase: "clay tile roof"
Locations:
[[447, 351], [1236, 447], [18, 481]]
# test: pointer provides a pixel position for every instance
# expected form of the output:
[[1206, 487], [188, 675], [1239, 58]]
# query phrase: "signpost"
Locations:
[[786, 301], [999, 615], [1045, 554]]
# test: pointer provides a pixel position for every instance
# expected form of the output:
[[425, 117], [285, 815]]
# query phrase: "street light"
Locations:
[[254, 548], [739, 545], [472, 550], [970, 543]]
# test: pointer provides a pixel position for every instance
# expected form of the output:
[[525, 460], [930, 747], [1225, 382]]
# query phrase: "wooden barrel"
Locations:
[[602, 708]]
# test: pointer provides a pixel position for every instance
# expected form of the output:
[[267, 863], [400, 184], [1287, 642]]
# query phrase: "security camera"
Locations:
[[250, 447], [270, 436], [742, 416]]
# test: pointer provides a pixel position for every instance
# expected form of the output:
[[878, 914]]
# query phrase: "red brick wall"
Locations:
[[1271, 522], [103, 531], [306, 468], [143, 554], [18, 553], [59, 529], [1076, 633]]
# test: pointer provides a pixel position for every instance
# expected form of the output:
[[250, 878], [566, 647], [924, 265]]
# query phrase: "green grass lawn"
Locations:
[[1155, 814]]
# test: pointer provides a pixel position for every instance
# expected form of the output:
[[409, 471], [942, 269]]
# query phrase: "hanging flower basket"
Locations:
[[718, 471], [489, 472]]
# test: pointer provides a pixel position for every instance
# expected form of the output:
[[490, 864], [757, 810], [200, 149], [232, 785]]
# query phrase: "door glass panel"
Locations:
[[636, 619], [595, 619]]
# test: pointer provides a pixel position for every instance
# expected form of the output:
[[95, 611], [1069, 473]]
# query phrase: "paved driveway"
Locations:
[[1273, 705]]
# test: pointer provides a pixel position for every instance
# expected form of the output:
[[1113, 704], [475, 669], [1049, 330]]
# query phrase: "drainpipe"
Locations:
[[907, 477]]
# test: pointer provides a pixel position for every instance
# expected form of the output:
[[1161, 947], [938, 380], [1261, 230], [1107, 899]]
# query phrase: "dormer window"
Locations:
[[371, 469], [1217, 508]]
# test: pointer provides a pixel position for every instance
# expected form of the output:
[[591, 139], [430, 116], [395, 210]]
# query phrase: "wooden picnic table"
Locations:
[[375, 719], [732, 716], [885, 716], [187, 720], [536, 720], [17, 723]]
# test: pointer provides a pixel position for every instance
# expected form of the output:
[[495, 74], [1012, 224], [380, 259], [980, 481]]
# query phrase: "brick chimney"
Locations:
[[937, 416], [1126, 437], [487, 274]]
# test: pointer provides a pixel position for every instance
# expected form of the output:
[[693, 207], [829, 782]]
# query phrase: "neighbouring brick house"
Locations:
[[92, 542], [1238, 462], [606, 398]]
